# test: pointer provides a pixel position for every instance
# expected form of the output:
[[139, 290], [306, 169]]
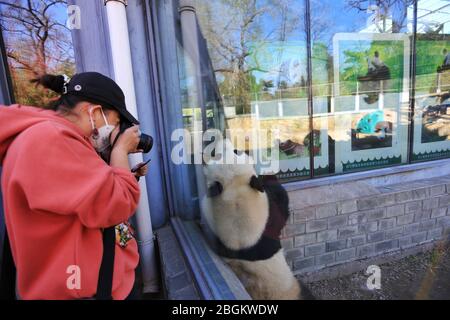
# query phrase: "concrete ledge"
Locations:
[[176, 278], [190, 269]]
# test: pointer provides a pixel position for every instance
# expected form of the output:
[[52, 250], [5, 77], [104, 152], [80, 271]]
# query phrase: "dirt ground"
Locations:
[[421, 276]]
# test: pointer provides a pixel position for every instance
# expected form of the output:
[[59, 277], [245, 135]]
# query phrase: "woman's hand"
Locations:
[[126, 143], [128, 140], [142, 171]]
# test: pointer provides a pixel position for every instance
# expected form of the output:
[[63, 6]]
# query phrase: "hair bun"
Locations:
[[52, 82]]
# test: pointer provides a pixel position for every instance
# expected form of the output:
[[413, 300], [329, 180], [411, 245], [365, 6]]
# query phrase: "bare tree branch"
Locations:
[[13, 5], [27, 65], [32, 22]]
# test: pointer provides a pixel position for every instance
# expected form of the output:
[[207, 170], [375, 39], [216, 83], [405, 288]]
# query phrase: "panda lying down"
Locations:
[[245, 215]]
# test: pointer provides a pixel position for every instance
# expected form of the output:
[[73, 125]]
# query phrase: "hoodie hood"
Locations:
[[16, 118]]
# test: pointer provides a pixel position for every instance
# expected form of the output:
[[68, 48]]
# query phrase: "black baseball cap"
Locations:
[[97, 88]]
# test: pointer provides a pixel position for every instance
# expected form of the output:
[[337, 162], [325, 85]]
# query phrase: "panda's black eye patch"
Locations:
[[215, 189], [256, 183]]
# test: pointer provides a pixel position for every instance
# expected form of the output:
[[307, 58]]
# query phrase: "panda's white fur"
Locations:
[[238, 218]]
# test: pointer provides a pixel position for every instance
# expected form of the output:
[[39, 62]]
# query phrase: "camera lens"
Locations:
[[145, 143]]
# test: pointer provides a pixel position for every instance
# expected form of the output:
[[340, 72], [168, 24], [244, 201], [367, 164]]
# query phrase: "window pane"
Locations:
[[242, 69], [37, 42], [251, 58], [432, 91], [360, 75]]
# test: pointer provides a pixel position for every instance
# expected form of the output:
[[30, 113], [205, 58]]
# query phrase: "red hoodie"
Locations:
[[58, 194]]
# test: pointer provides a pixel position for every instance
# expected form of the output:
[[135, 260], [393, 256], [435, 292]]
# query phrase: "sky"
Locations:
[[57, 12]]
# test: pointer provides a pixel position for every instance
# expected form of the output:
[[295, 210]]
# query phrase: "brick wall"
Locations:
[[383, 219]]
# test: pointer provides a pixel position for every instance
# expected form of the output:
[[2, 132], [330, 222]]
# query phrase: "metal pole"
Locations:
[[309, 84], [357, 96], [6, 87], [381, 104], [412, 98]]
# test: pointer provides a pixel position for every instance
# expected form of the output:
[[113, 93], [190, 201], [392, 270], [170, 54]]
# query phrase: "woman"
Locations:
[[59, 194]]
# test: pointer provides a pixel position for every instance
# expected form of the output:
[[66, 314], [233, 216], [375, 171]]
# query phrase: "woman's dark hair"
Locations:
[[65, 102]]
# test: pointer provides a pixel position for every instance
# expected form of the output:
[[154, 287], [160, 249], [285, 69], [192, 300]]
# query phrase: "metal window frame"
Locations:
[[6, 86], [412, 86], [179, 185], [92, 51], [309, 84], [412, 82], [6, 97]]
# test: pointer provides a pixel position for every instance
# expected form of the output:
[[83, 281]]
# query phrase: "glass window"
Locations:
[[330, 81], [37, 41], [242, 69], [431, 134], [247, 71], [249, 61], [360, 76]]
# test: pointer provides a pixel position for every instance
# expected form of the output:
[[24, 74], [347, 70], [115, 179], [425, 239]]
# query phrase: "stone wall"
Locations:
[[340, 223]]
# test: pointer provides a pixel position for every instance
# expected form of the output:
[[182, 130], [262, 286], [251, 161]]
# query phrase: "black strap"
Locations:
[[263, 249], [269, 243], [105, 277], [8, 272]]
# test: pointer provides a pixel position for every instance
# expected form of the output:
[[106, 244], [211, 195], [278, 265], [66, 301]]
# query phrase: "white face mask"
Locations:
[[100, 139]]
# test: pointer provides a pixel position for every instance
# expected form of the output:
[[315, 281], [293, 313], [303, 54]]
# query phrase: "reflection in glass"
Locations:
[[242, 70], [360, 76], [432, 83], [37, 41], [257, 51]]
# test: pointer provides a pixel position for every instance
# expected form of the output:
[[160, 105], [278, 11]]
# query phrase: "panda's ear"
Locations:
[[256, 183], [215, 189]]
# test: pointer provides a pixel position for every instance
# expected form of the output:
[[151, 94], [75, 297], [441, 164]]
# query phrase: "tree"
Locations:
[[267, 84], [37, 42], [233, 38], [396, 10], [283, 85]]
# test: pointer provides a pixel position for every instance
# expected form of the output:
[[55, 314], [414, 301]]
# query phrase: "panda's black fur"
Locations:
[[269, 242], [244, 216]]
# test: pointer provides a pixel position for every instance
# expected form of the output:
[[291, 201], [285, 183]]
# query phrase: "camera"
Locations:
[[145, 141]]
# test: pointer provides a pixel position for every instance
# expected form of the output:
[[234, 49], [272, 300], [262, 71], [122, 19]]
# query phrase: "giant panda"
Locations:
[[244, 215]]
